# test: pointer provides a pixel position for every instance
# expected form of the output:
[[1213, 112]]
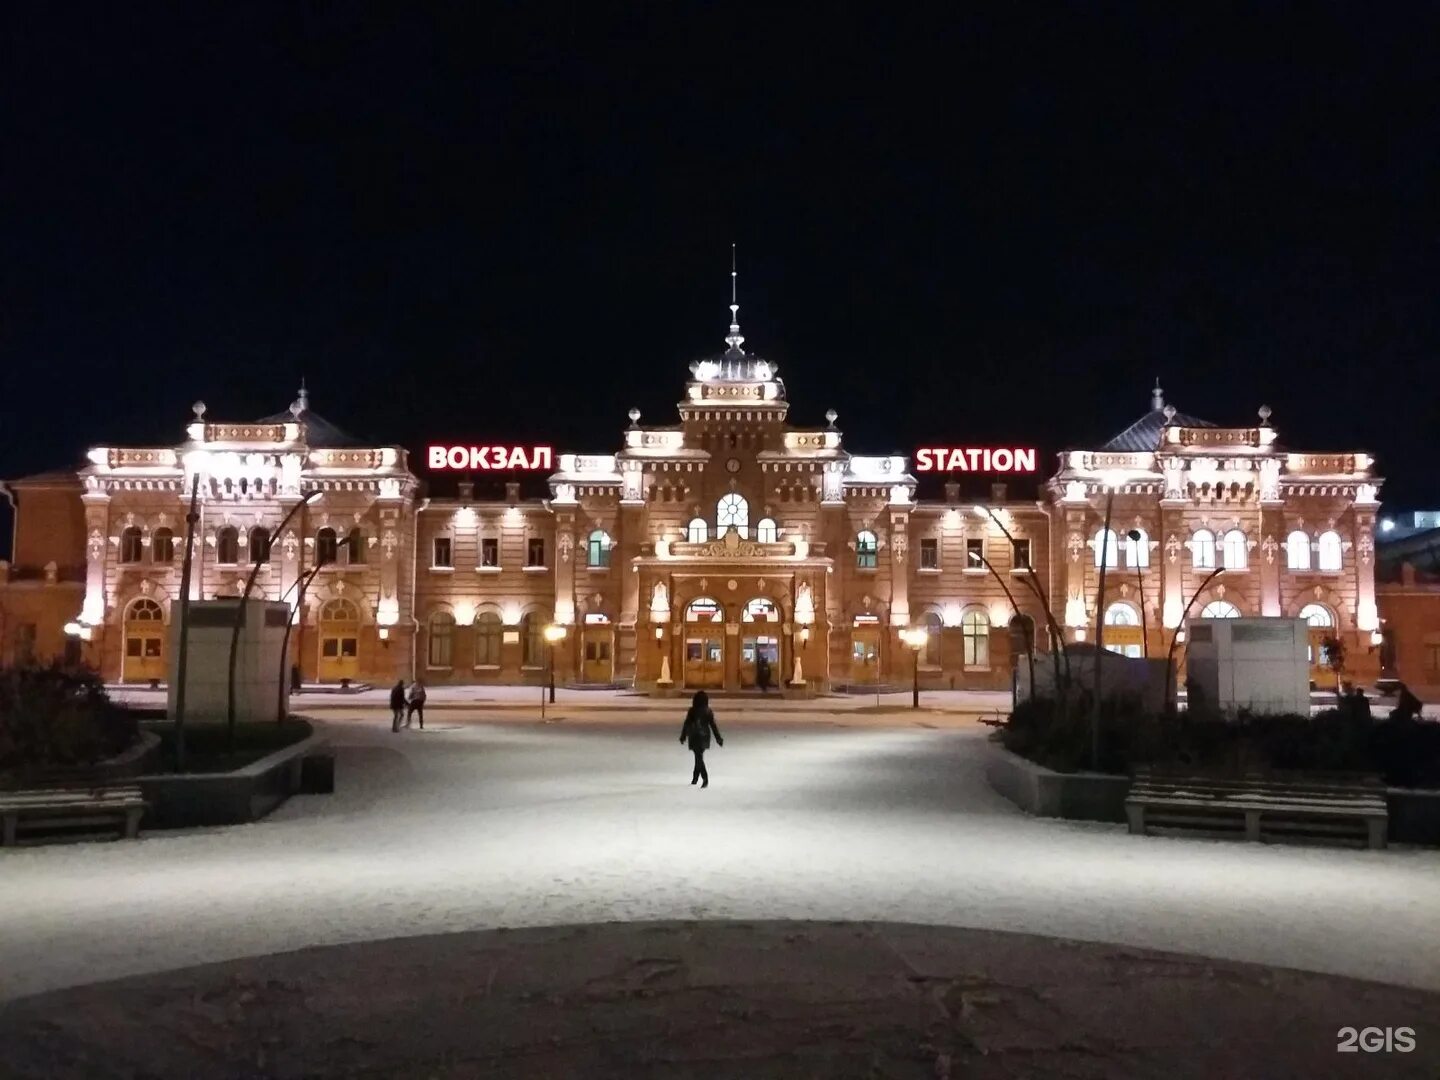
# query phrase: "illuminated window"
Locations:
[[144, 610], [933, 628], [488, 635], [1219, 609], [732, 510], [227, 545], [867, 550], [441, 553], [489, 551], [760, 610], [975, 627], [1020, 554], [442, 640], [698, 532], [327, 547], [162, 546], [355, 548], [766, 532], [929, 553], [1107, 548], [704, 609], [131, 547], [1202, 549], [597, 549], [1137, 550], [1236, 551], [535, 551], [1329, 546], [259, 543], [1121, 615], [1317, 615], [1297, 551]]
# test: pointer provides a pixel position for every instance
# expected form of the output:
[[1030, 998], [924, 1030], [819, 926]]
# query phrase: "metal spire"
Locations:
[[1157, 397], [734, 339]]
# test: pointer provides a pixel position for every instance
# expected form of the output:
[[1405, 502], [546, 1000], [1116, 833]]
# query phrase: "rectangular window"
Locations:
[[929, 553], [1020, 554], [489, 551], [974, 554], [535, 551], [442, 552]]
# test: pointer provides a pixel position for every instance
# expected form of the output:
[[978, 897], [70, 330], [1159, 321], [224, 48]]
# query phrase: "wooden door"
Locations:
[[598, 665], [144, 658], [339, 641], [865, 654], [751, 649], [704, 661]]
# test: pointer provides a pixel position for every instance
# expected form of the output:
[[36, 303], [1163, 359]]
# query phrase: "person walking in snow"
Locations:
[[397, 704], [696, 731], [417, 704]]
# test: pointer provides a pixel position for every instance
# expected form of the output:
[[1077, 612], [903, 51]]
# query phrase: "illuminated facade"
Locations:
[[694, 550]]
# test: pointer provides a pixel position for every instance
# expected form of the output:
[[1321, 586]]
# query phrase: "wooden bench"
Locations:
[[1334, 808], [70, 807]]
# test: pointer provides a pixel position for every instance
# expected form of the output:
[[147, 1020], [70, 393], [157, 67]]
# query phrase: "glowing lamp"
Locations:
[[915, 637], [554, 632], [1079, 633], [659, 632], [1376, 637], [384, 633]]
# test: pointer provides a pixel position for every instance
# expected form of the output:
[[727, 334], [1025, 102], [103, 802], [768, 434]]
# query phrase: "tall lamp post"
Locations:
[[301, 584], [915, 637], [1032, 581], [553, 633], [1135, 536], [975, 556], [1179, 634]]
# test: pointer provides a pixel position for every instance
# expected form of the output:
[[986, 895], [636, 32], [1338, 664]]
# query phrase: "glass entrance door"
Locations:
[[865, 654], [751, 650], [704, 661]]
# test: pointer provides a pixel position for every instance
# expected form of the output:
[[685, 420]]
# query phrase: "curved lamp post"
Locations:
[[1031, 580], [1135, 536], [1179, 634], [302, 584], [553, 633], [1029, 638], [240, 613], [915, 637]]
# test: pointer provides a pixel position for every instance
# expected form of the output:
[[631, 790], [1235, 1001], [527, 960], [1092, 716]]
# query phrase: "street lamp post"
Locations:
[[1032, 581], [1179, 634], [1029, 638], [300, 585], [915, 637], [553, 633], [1136, 536]]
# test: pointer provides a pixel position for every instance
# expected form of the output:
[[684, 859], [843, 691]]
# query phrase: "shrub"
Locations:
[[58, 716]]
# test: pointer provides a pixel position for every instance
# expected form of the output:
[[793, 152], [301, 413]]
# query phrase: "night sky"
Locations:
[[488, 221]]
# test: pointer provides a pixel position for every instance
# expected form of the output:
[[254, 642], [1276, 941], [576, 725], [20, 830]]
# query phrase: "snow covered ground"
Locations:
[[482, 823]]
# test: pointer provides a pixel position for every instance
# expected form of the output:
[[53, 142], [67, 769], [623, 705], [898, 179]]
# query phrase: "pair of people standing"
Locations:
[[696, 731], [407, 705]]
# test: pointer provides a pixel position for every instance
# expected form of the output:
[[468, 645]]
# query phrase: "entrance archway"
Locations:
[[144, 658], [1321, 624], [759, 637], [598, 643], [704, 644], [339, 641], [1123, 633], [865, 649]]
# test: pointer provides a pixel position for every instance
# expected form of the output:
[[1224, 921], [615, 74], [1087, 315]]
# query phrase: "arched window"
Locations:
[[1236, 552], [1202, 549], [339, 610], [1219, 609], [867, 550], [703, 609], [933, 626], [488, 635], [976, 629], [698, 532], [1317, 615], [760, 610], [1121, 615], [1137, 549], [597, 549], [130, 545], [1329, 546], [355, 547], [442, 640], [766, 532], [259, 542], [1107, 548], [227, 545], [1297, 551], [327, 547], [162, 546], [732, 510], [144, 609], [532, 640]]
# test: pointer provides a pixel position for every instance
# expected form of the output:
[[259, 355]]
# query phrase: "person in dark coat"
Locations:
[[397, 704], [762, 673], [698, 727], [416, 702]]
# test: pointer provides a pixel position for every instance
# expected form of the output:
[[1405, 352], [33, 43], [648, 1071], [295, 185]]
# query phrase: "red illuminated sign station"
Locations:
[[979, 459], [490, 458]]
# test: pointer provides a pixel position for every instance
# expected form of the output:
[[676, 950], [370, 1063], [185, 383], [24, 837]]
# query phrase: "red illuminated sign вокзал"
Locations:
[[975, 459], [490, 458]]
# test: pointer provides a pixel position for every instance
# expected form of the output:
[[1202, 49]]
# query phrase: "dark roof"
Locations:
[[319, 432], [47, 479], [1144, 435]]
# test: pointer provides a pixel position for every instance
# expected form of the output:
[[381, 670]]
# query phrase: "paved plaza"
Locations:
[[493, 820]]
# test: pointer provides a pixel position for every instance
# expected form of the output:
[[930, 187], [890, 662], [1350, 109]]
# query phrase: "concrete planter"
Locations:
[[1414, 815], [1047, 793], [140, 757], [182, 800]]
